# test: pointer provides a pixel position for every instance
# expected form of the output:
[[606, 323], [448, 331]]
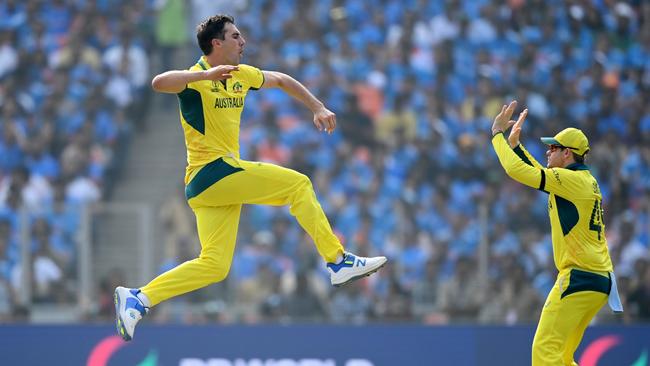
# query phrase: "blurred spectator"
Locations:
[[393, 303], [629, 246], [425, 296], [33, 190], [462, 296], [303, 304], [6, 301], [8, 52], [398, 120], [171, 32], [639, 298], [350, 305], [357, 127], [8, 261], [177, 222], [51, 263], [106, 302], [257, 276], [128, 63]]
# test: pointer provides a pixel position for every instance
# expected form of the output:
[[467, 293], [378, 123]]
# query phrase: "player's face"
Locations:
[[555, 156], [232, 47]]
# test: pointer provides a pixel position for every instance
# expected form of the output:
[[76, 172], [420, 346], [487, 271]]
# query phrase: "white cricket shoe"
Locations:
[[128, 311], [353, 267]]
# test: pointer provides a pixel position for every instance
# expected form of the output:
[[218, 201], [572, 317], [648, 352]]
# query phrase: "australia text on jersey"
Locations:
[[229, 102]]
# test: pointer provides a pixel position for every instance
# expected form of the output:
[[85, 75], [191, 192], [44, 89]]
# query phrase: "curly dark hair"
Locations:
[[212, 28]]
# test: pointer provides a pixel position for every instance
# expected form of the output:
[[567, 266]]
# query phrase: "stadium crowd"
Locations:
[[71, 74], [408, 173]]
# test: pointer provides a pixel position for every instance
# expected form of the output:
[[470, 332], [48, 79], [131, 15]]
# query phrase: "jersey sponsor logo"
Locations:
[[229, 102]]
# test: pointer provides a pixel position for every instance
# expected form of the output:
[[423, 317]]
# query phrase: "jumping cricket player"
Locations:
[[211, 96]]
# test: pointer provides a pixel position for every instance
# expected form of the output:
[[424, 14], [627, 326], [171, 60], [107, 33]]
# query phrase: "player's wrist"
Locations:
[[317, 107], [203, 75], [496, 132]]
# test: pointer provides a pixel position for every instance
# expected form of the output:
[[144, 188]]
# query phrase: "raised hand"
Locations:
[[221, 72], [502, 121], [513, 139]]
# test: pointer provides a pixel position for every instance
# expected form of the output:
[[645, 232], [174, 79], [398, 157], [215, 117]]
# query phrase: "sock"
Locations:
[[339, 258], [145, 300]]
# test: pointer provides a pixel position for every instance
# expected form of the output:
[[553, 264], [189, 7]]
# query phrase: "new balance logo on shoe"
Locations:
[[353, 267]]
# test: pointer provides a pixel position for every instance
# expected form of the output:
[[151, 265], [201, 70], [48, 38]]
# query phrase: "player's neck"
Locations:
[[568, 162], [215, 60]]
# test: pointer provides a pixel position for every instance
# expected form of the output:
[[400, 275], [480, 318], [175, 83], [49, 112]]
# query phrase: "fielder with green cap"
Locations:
[[585, 281]]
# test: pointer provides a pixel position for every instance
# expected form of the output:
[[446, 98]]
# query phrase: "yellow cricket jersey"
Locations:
[[574, 207], [210, 114]]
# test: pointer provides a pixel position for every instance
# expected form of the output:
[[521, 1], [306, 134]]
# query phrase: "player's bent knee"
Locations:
[[302, 187], [216, 272]]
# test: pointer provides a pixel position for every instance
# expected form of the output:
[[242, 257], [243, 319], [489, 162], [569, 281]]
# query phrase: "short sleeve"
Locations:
[[194, 84], [252, 75]]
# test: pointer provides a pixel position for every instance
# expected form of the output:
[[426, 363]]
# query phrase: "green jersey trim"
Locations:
[[192, 109], [210, 174], [587, 281], [520, 152], [577, 166], [568, 214]]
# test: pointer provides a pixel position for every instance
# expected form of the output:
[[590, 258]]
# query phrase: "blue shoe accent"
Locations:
[[348, 261], [128, 310], [134, 303]]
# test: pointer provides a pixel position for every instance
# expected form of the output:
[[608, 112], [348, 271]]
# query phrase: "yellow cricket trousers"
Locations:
[[216, 194], [574, 300]]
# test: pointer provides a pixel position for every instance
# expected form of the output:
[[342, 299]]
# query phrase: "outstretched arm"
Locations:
[[515, 162], [522, 167], [175, 81], [515, 167], [324, 119]]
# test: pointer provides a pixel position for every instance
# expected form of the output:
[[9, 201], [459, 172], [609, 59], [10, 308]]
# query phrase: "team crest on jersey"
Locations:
[[215, 86], [237, 88]]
